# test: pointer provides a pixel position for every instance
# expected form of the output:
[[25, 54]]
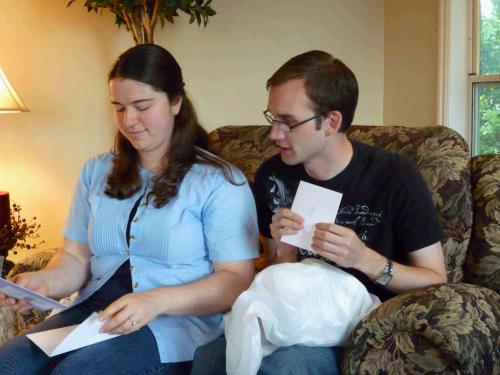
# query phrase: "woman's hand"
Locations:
[[129, 313], [34, 281]]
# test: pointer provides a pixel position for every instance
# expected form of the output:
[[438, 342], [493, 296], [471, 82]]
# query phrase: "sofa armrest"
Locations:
[[33, 262], [444, 328], [11, 322], [482, 265], [8, 324]]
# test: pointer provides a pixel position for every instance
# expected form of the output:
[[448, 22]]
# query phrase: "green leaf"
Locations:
[[197, 10], [184, 5], [169, 18]]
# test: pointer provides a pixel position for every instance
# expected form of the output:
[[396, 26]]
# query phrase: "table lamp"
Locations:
[[10, 102]]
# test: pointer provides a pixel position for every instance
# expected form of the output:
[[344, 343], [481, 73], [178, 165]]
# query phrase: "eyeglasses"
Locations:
[[283, 126]]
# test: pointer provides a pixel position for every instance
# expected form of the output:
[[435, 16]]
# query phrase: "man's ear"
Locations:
[[333, 122]]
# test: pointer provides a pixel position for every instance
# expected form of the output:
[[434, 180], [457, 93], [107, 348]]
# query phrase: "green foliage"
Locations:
[[489, 112], [140, 16], [489, 41], [489, 94]]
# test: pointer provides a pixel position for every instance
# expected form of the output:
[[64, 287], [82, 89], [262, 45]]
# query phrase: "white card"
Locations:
[[35, 299], [62, 340], [316, 205]]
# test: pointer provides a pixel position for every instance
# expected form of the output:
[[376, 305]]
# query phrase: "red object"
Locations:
[[4, 208]]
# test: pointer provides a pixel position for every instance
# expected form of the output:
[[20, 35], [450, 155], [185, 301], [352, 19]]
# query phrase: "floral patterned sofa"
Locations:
[[450, 328]]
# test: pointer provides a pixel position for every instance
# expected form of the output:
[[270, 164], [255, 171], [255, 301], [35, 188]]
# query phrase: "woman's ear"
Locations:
[[176, 105], [333, 122]]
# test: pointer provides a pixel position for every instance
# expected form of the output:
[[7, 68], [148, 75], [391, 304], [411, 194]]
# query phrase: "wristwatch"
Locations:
[[386, 275]]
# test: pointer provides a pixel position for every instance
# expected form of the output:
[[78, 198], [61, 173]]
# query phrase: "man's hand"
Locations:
[[285, 221], [34, 281], [341, 245], [129, 313]]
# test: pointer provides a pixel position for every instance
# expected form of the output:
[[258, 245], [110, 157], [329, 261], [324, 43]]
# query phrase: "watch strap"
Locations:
[[386, 275]]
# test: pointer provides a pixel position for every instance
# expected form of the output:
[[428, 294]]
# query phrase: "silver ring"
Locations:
[[133, 322]]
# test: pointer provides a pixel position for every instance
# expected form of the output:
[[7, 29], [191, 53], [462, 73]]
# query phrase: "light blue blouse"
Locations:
[[209, 220]]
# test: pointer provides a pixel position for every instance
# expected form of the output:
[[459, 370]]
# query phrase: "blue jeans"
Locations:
[[210, 359], [135, 353]]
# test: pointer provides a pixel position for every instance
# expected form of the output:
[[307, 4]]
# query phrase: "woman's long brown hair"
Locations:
[[156, 67]]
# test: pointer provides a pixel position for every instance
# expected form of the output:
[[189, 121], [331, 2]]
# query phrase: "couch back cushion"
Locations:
[[483, 258], [440, 153]]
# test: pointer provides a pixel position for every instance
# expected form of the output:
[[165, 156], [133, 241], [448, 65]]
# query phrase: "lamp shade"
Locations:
[[10, 102]]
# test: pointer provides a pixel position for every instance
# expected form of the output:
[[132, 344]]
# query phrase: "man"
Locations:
[[386, 232]]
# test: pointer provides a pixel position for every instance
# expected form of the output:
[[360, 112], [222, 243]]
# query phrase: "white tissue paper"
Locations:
[[308, 303]]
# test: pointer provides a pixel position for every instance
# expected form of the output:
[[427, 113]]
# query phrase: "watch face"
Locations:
[[384, 279]]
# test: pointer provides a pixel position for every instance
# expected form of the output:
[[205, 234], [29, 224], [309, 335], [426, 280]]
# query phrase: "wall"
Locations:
[[227, 64], [57, 59], [411, 62]]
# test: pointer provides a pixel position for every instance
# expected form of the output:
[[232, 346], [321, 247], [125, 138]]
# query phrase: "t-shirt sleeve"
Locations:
[[417, 223], [230, 221]]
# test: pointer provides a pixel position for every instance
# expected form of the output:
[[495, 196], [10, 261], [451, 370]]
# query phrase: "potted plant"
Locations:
[[140, 17]]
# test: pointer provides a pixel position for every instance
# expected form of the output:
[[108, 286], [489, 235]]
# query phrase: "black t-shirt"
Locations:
[[385, 201]]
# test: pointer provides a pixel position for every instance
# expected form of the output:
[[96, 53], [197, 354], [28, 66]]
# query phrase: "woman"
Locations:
[[159, 238]]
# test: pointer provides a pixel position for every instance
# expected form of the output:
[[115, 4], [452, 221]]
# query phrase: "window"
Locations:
[[484, 80]]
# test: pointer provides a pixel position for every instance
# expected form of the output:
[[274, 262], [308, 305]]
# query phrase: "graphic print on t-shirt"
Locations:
[[279, 195], [360, 218]]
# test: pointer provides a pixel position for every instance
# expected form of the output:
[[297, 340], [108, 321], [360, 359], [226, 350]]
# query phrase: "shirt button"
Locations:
[[144, 205], [127, 253], [136, 285], [136, 219], [132, 237], [131, 268]]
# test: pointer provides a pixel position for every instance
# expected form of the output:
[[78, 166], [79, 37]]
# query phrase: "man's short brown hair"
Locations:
[[330, 84]]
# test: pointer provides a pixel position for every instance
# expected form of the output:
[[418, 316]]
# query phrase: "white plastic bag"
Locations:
[[308, 303]]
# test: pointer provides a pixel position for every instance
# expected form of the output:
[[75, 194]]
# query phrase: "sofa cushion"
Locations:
[[32, 262], [448, 328], [244, 146], [483, 258]]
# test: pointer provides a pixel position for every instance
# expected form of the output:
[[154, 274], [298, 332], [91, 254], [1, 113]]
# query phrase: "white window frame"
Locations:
[[454, 66], [474, 75]]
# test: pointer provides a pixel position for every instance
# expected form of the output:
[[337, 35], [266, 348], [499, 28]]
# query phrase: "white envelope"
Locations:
[[316, 205], [62, 340], [36, 300]]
